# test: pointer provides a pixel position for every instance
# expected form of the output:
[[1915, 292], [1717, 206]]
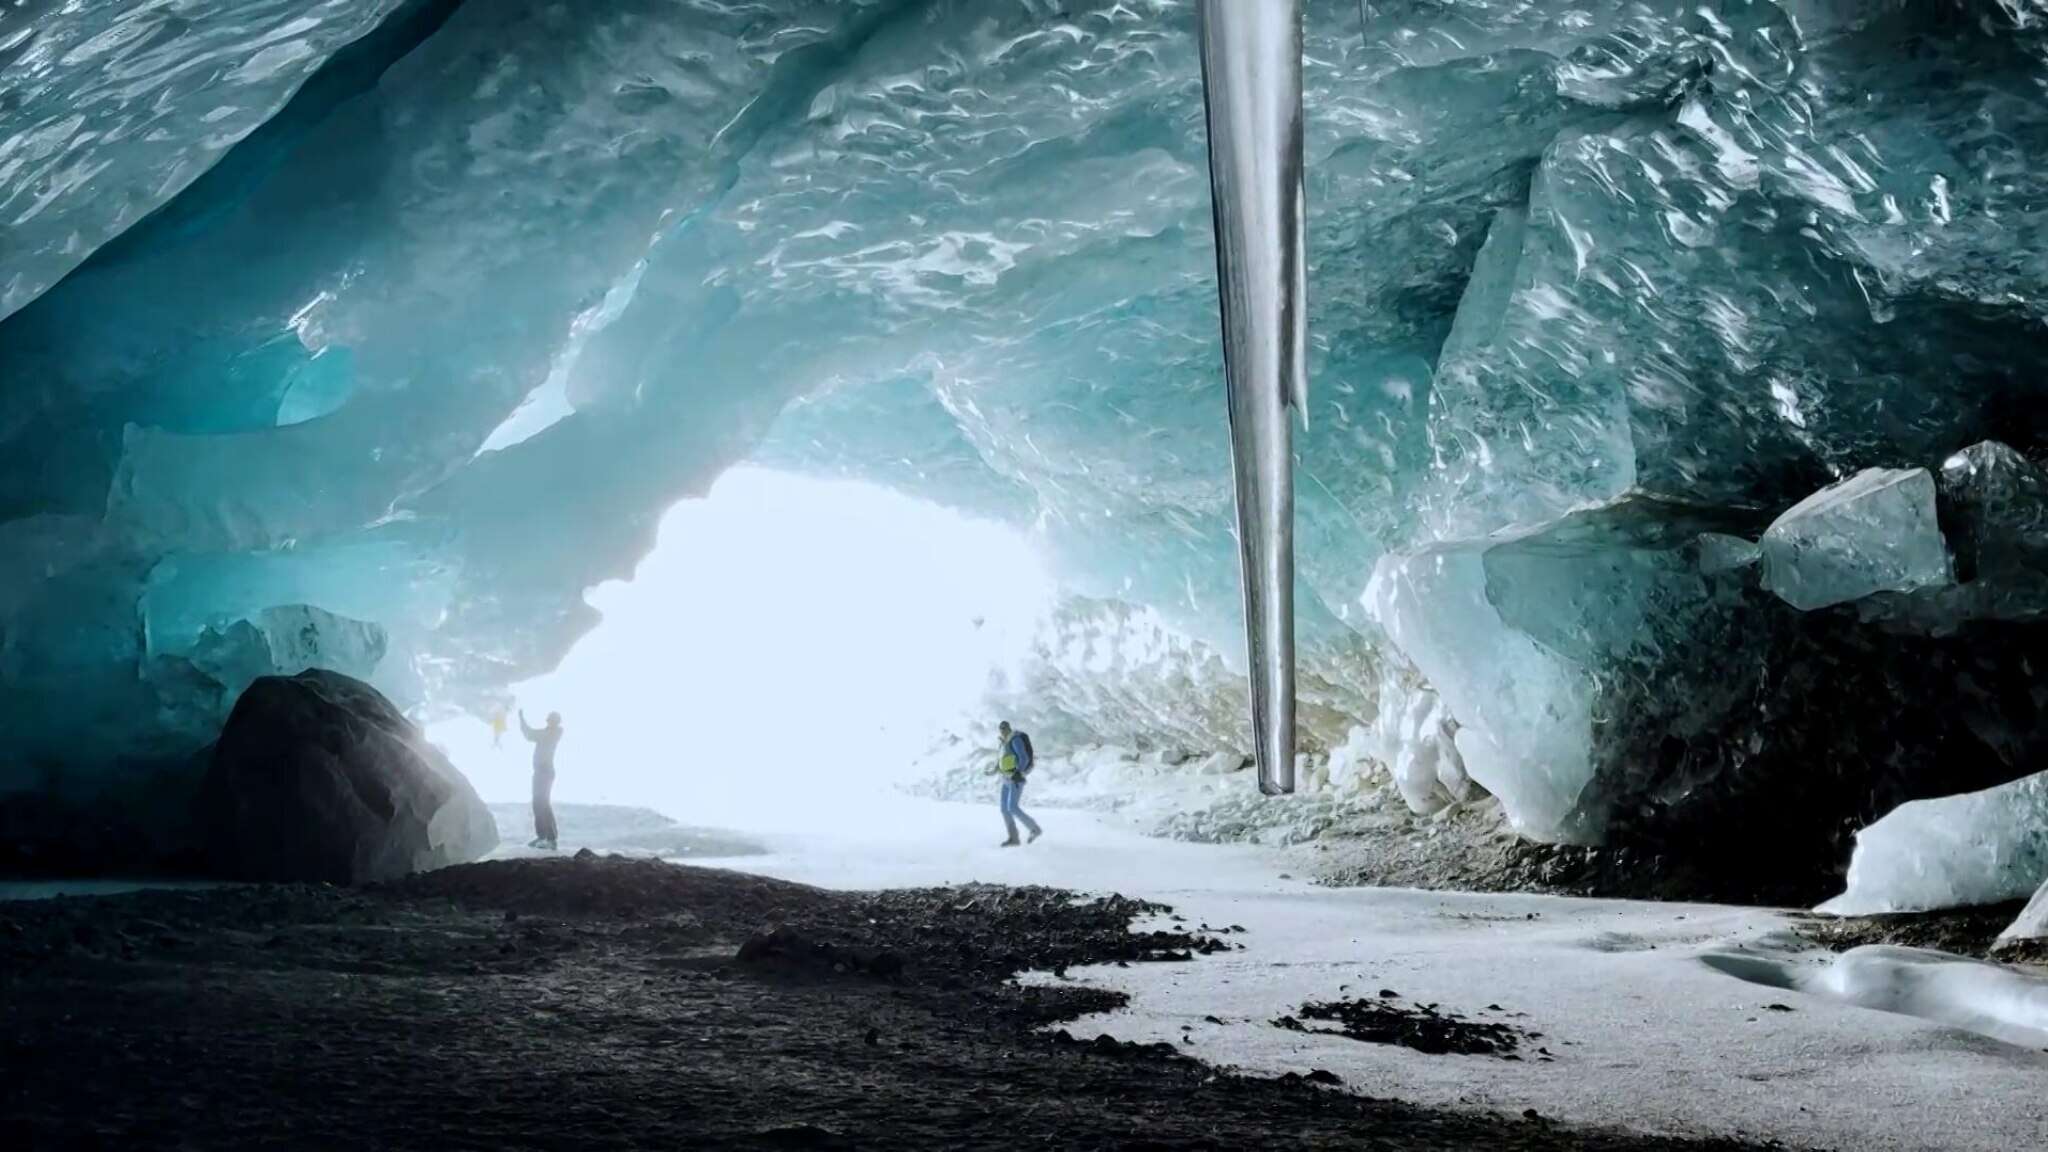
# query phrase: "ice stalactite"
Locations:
[[1251, 78]]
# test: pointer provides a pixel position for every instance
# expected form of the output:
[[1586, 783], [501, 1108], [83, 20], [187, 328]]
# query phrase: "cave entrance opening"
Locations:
[[780, 660]]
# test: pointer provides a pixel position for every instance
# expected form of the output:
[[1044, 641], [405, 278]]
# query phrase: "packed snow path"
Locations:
[[1646, 1033]]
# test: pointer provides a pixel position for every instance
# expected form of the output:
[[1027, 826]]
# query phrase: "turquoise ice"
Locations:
[[319, 307]]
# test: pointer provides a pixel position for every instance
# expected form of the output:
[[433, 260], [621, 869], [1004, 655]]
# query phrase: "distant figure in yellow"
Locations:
[[1014, 762], [498, 729]]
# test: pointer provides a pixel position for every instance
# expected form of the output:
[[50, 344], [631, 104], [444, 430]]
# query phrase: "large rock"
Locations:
[[318, 777]]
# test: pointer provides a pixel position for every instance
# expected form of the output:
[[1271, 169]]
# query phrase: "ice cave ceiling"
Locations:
[[380, 329]]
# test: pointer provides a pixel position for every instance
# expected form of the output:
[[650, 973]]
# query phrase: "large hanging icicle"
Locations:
[[1251, 77]]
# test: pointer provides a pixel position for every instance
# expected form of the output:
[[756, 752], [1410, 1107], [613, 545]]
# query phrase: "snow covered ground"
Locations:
[[1649, 1028], [1683, 1019]]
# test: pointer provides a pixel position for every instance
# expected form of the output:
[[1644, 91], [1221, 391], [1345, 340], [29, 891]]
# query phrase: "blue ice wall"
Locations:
[[1589, 283]]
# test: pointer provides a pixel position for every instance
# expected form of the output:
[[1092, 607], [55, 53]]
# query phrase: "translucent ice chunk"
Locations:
[[1874, 532], [1720, 552], [1990, 999], [1977, 848], [284, 641], [1525, 715]]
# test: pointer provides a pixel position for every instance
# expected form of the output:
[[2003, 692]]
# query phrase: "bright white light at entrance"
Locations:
[[786, 652]]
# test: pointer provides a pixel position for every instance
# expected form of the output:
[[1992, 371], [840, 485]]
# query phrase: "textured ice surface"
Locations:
[[114, 108], [1999, 509], [1979, 848], [284, 641], [1874, 532], [1995, 511], [1720, 553], [420, 314], [1414, 736], [1525, 713], [1105, 672]]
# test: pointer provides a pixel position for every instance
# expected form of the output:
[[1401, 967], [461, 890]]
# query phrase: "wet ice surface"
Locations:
[[1993, 999], [1646, 1034]]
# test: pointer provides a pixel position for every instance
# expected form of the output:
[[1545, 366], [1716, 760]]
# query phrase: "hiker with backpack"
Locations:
[[1013, 765]]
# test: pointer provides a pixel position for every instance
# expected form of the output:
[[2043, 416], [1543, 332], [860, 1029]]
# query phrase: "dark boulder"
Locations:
[[318, 777]]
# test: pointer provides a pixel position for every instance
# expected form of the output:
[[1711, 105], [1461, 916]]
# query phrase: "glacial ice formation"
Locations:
[[1415, 738], [1874, 532], [1996, 502], [1979, 848], [1102, 672], [1525, 713], [419, 313], [1999, 509], [115, 109], [2031, 927]]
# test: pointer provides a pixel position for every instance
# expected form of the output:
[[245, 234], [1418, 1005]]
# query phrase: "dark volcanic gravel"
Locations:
[[1418, 1026], [1472, 855], [603, 1003], [1966, 931]]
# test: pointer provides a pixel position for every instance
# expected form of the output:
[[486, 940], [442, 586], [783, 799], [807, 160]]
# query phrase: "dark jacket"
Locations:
[[544, 741], [1018, 746]]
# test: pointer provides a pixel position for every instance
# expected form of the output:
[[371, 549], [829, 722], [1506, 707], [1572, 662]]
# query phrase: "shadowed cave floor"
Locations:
[[601, 1002]]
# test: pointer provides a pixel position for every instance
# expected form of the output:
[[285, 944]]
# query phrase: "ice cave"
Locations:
[[1508, 538]]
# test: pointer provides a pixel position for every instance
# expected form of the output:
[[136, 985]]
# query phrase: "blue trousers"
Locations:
[[1013, 809]]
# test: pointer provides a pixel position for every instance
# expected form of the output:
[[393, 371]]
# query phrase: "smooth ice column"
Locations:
[[1251, 82], [1874, 532], [1977, 848]]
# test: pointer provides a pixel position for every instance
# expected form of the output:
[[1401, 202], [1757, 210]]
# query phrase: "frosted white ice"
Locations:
[[1415, 738], [1976, 848], [2032, 924]]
